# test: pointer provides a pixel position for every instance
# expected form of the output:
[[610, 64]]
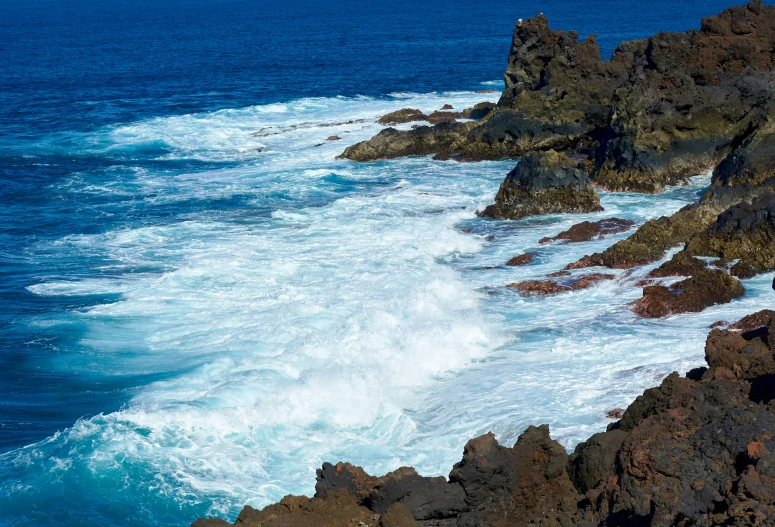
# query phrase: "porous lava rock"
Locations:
[[521, 259], [587, 230], [745, 231], [681, 264], [404, 115], [550, 287], [706, 288], [544, 183]]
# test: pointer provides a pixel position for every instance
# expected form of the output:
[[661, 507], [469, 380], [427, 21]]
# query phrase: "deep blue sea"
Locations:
[[199, 304]]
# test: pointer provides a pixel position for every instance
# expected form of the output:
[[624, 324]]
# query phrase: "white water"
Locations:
[[348, 316]]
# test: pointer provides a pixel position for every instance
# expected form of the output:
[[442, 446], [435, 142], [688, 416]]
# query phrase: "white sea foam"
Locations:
[[355, 321]]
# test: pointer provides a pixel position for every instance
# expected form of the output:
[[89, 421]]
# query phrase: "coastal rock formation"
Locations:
[[423, 140], [522, 259], [660, 110], [550, 287], [404, 115], [706, 288], [697, 450], [745, 231], [587, 230], [543, 183], [681, 264]]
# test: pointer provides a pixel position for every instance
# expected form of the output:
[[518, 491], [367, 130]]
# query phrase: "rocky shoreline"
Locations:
[[698, 450]]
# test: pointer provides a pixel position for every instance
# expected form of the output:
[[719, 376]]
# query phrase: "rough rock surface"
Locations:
[[587, 230], [681, 264], [543, 183], [706, 288], [697, 451], [660, 110], [745, 231], [550, 287], [521, 259]]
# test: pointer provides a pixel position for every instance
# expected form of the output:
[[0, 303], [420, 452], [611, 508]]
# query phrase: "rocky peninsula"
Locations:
[[698, 450]]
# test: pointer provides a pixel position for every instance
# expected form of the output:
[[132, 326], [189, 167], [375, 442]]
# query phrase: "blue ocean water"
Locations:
[[199, 305]]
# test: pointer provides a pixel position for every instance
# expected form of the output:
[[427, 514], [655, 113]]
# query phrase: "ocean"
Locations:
[[199, 304]]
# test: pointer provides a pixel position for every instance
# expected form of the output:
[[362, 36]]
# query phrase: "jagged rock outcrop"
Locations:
[[551, 287], [705, 288], [544, 183], [745, 231], [697, 451], [660, 110], [587, 230], [681, 264]]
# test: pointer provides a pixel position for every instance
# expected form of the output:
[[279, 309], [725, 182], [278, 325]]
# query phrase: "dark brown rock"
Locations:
[[681, 264], [333, 138], [587, 230], [753, 321], [539, 287], [404, 115], [447, 107], [743, 269], [745, 231], [543, 183], [706, 288], [522, 259]]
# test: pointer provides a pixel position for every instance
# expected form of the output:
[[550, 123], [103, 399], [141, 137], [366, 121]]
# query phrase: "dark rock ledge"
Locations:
[[697, 450]]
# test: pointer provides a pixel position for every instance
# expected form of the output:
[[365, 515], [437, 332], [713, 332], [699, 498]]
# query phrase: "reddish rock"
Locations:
[[587, 230], [539, 287], [743, 269], [616, 413], [447, 107], [706, 288], [558, 274], [590, 280], [643, 283], [753, 321], [522, 259]]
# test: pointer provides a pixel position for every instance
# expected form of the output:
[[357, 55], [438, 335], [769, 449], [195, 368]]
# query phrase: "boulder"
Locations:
[[543, 183], [706, 288]]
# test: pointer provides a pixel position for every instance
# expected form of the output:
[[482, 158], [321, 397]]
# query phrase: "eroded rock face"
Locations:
[[587, 230], [745, 231], [706, 288], [543, 183]]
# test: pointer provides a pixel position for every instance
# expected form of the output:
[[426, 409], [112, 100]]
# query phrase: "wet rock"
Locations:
[[421, 141], [551, 287], [587, 230], [745, 231], [543, 183], [482, 110], [404, 115], [743, 269], [539, 287], [642, 283], [447, 107], [522, 259], [706, 288], [681, 264], [616, 413], [334, 138], [652, 239], [753, 321]]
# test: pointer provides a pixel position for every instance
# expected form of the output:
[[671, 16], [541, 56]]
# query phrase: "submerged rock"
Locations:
[[550, 287], [706, 288], [543, 183], [522, 259], [587, 230], [404, 115]]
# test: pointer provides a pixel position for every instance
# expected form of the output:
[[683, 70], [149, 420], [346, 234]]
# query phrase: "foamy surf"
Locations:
[[299, 309]]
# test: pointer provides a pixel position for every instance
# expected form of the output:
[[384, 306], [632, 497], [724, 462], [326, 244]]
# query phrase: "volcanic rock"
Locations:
[[543, 183], [421, 141], [404, 115], [550, 287], [745, 231], [681, 264], [706, 288], [753, 321], [587, 230], [521, 259]]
